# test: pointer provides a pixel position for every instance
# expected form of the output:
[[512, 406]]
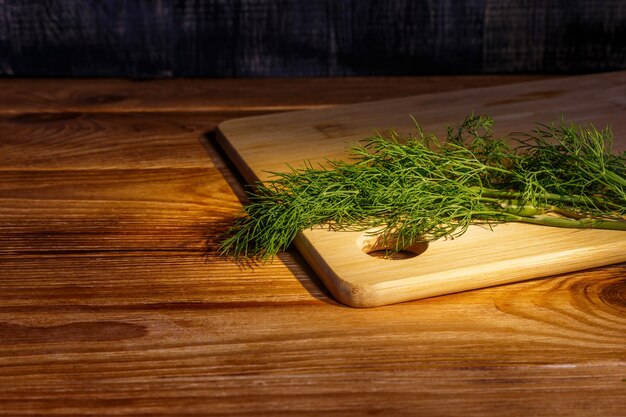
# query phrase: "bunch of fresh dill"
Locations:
[[421, 189]]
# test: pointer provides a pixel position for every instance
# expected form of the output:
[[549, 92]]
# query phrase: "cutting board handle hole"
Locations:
[[379, 247]]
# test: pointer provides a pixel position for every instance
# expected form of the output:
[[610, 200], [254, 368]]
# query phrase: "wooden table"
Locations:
[[113, 300]]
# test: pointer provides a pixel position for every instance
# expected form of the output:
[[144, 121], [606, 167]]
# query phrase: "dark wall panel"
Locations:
[[554, 35], [405, 37], [250, 38], [163, 38], [85, 37]]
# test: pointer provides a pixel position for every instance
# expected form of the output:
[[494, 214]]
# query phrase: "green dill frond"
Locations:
[[421, 189]]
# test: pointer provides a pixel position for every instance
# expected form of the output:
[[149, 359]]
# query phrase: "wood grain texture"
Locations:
[[178, 279], [221, 95], [542, 348], [90, 210], [190, 38], [75, 141], [121, 307], [481, 257]]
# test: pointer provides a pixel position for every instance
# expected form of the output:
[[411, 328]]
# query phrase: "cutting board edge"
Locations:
[[353, 293], [346, 292], [235, 157]]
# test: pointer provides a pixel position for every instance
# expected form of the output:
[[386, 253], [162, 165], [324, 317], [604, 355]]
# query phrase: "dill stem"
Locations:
[[615, 177], [514, 195], [586, 223]]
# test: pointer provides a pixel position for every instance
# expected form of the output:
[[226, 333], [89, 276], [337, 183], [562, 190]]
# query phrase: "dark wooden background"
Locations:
[[234, 38]]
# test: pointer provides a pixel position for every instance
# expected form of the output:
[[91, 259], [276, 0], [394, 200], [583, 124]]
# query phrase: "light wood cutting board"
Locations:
[[480, 258]]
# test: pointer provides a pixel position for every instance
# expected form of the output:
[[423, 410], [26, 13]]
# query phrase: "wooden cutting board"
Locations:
[[480, 258]]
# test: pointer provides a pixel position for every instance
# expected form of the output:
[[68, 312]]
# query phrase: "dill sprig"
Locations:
[[421, 189]]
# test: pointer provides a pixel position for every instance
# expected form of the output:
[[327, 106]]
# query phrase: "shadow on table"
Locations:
[[290, 259]]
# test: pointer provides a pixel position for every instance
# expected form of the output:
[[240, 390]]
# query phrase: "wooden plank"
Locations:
[[508, 253], [111, 209], [219, 95], [545, 348], [162, 278], [67, 141], [73, 182]]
